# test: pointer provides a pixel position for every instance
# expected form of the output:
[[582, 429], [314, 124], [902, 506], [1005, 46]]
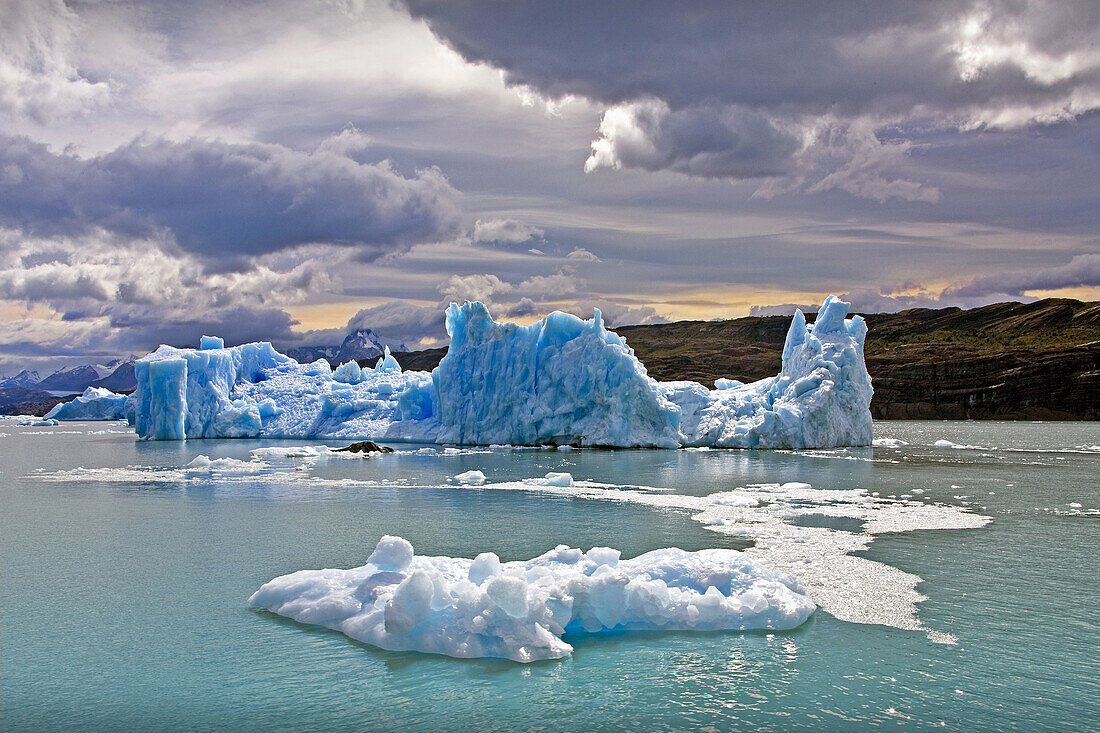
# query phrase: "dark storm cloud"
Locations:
[[838, 56], [809, 93], [137, 331], [701, 141], [221, 200], [140, 327]]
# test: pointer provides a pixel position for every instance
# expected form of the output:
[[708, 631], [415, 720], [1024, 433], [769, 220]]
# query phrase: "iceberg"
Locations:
[[560, 381], [820, 399], [97, 403], [520, 610]]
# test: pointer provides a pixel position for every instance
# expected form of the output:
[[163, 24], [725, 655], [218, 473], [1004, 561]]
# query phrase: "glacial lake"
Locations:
[[125, 578]]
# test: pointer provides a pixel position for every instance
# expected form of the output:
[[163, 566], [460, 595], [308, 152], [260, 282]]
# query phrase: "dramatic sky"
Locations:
[[289, 170]]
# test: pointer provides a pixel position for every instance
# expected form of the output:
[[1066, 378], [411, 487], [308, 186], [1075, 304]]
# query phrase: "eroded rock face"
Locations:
[[365, 446], [1017, 384]]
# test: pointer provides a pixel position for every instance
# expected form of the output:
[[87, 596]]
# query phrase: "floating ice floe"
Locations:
[[520, 610], [288, 451], [795, 528], [958, 446], [206, 463], [97, 403], [561, 381], [848, 586], [474, 478], [28, 421]]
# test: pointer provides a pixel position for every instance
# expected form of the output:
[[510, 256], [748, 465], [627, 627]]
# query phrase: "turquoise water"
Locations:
[[124, 602]]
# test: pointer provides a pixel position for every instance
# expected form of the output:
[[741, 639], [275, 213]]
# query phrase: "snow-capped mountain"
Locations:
[[115, 374], [24, 379], [122, 379], [73, 378], [363, 343]]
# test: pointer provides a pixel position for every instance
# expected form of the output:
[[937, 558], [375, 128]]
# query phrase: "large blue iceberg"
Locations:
[[562, 380]]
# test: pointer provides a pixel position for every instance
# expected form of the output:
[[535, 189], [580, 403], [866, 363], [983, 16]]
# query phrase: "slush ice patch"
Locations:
[[287, 451], [850, 587]]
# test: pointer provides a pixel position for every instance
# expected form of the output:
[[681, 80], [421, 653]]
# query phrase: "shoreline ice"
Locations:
[[561, 381]]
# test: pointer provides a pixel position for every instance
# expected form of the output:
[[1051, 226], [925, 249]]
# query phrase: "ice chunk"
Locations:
[[820, 398], [392, 553], [561, 381], [206, 463], [470, 477], [604, 556], [287, 451], [189, 393], [520, 610], [97, 403], [349, 372], [411, 603], [554, 478], [211, 342], [485, 565], [386, 362], [509, 593], [958, 446]]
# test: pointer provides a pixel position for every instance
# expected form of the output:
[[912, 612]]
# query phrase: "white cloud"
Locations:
[[101, 294], [459, 288], [504, 231], [39, 78], [581, 254], [746, 94]]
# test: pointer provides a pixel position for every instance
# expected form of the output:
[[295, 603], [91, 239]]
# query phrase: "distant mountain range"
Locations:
[[361, 344], [117, 376]]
